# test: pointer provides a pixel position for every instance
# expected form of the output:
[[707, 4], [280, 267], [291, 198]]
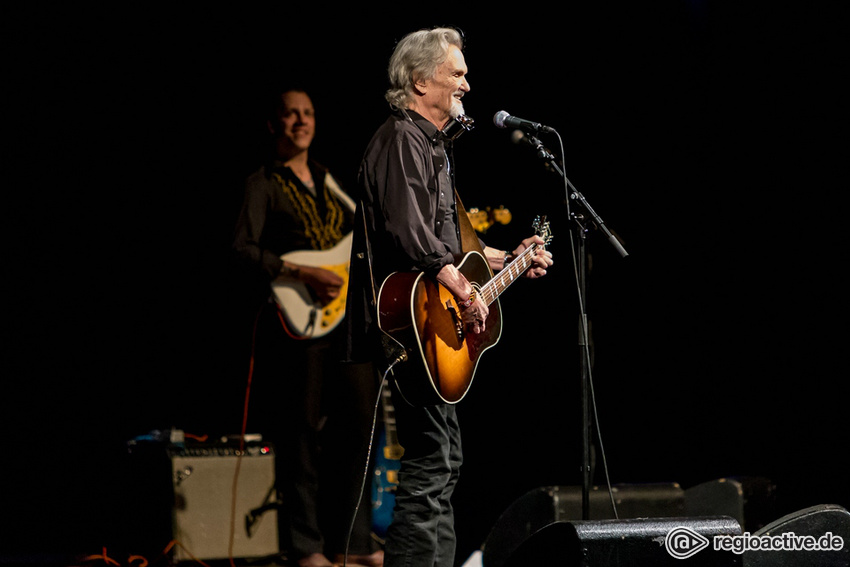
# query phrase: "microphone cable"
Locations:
[[584, 334], [552, 165]]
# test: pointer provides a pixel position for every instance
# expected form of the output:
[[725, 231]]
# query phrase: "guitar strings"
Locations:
[[496, 286]]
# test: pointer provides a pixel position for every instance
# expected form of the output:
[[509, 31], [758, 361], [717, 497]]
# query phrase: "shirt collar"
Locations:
[[423, 123]]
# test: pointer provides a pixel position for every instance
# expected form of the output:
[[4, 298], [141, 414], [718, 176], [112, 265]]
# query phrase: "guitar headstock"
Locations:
[[542, 229]]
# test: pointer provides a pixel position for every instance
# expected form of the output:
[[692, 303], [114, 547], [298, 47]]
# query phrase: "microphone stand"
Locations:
[[583, 338]]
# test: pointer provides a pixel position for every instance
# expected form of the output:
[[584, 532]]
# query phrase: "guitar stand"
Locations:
[[581, 229]]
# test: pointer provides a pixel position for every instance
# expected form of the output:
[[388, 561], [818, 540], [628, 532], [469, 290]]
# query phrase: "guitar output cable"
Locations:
[[402, 357]]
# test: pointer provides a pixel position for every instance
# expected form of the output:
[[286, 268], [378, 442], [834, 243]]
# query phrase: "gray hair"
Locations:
[[416, 57]]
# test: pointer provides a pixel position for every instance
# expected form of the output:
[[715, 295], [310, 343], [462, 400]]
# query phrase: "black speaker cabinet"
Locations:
[[641, 542], [750, 500], [545, 505], [207, 502], [826, 528]]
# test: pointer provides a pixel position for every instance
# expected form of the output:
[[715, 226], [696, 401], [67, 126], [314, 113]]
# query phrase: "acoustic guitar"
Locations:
[[422, 317]]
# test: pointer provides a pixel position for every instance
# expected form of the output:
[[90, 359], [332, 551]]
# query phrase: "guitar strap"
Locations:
[[469, 240], [368, 254], [390, 348]]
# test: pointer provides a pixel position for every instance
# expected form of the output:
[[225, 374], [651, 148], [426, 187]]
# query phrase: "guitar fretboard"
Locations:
[[510, 273], [500, 282], [389, 415]]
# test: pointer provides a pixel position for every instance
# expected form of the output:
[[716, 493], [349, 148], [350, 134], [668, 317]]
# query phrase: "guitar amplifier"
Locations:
[[225, 503]]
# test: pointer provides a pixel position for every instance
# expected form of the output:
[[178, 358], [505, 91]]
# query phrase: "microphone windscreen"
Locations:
[[499, 118]]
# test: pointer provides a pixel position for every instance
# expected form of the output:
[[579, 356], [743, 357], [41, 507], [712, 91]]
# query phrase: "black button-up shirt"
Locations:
[[406, 184], [407, 204]]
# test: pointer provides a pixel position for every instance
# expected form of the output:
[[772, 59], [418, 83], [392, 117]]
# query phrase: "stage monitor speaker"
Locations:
[[206, 506], [827, 526], [545, 505], [641, 542]]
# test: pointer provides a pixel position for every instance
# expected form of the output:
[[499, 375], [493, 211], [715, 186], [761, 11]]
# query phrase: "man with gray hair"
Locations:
[[413, 223]]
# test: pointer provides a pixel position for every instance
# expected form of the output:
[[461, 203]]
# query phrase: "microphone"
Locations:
[[517, 137], [504, 120]]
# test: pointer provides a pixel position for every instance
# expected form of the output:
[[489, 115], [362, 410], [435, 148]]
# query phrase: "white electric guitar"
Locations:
[[305, 316]]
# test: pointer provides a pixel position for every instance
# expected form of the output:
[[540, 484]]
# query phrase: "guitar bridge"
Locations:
[[450, 306]]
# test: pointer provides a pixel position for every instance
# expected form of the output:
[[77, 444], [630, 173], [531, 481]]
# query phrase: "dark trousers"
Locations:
[[422, 531], [318, 413]]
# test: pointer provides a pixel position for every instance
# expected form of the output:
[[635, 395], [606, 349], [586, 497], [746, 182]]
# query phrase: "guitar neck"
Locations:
[[500, 282], [389, 416]]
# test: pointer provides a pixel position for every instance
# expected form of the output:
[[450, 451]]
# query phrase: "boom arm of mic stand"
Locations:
[[576, 195], [597, 221]]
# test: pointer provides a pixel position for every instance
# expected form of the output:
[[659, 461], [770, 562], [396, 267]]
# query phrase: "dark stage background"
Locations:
[[707, 136]]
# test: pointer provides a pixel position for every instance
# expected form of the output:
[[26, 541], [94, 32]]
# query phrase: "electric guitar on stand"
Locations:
[[386, 468]]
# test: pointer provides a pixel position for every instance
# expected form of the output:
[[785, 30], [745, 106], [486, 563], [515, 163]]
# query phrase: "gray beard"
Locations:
[[456, 110]]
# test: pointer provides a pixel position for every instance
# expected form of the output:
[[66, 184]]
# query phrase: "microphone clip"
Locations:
[[551, 164], [520, 137], [542, 151]]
